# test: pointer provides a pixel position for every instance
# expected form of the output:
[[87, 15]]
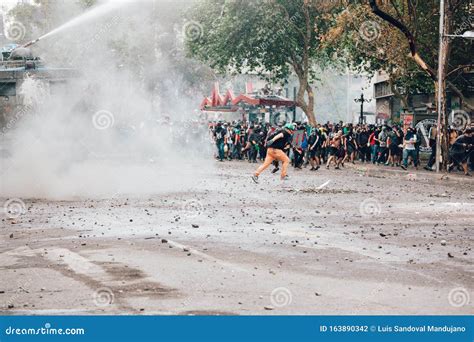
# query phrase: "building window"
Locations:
[[382, 89]]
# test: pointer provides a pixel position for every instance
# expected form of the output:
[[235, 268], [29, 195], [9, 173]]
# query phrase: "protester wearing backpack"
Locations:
[[276, 144]]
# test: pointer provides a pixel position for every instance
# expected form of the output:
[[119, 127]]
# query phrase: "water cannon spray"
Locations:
[[93, 13], [31, 43]]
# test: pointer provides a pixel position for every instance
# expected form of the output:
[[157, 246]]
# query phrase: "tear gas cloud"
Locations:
[[107, 131]]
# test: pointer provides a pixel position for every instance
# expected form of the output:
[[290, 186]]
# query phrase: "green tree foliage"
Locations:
[[370, 44], [273, 38]]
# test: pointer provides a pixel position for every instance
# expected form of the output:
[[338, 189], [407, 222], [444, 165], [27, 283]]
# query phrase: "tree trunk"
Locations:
[[306, 106], [310, 113], [445, 48], [302, 70], [413, 48]]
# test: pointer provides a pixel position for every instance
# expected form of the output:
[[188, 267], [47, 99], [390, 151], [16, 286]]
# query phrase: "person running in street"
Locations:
[[276, 144], [314, 145], [270, 133], [334, 153], [324, 146], [461, 150], [351, 146]]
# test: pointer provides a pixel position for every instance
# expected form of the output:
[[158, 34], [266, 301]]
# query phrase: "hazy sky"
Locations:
[[7, 4]]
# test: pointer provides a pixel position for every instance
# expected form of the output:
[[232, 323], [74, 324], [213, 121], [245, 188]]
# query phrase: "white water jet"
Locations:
[[91, 14], [64, 151]]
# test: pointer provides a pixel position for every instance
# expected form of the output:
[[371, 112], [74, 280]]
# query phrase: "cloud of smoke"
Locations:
[[121, 125]]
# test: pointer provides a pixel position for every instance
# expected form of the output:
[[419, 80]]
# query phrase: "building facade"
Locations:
[[389, 108]]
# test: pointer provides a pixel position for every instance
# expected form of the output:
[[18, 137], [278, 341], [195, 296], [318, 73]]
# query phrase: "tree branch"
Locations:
[[459, 68], [413, 49], [288, 18], [411, 40]]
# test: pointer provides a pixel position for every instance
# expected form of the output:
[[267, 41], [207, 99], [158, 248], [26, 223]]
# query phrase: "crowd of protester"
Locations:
[[333, 144]]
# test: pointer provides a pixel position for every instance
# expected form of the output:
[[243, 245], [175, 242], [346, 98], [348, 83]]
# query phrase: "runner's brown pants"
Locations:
[[274, 154]]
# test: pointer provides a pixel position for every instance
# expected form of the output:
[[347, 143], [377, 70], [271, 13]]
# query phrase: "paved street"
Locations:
[[357, 241]]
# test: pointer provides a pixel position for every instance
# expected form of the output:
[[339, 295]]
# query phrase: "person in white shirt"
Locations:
[[409, 148]]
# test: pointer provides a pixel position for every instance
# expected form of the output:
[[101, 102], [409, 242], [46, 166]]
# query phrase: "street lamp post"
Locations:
[[361, 100]]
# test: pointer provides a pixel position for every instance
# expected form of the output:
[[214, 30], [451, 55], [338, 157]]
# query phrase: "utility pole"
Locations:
[[440, 88]]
